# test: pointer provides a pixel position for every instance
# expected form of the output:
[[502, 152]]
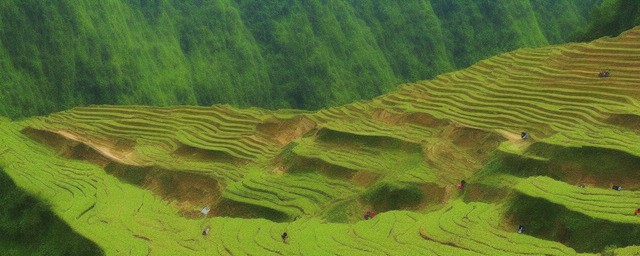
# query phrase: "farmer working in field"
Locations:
[[603, 73], [369, 215], [461, 185]]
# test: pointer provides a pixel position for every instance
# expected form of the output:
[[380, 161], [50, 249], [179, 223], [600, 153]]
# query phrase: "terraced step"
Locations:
[[599, 203], [294, 195], [387, 162], [472, 227]]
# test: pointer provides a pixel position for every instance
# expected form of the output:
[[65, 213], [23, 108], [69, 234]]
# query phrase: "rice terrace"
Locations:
[[535, 151]]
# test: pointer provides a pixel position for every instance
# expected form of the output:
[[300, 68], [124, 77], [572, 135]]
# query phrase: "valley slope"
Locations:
[[133, 178]]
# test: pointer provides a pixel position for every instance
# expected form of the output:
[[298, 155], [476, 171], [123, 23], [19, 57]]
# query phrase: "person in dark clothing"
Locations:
[[524, 135], [582, 185], [603, 73], [367, 215], [284, 237], [206, 231], [520, 229], [616, 187]]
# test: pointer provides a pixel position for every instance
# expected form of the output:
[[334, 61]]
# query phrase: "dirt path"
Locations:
[[123, 156], [512, 137]]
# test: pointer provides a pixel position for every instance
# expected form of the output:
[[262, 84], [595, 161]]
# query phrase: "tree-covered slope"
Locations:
[[611, 18], [304, 54]]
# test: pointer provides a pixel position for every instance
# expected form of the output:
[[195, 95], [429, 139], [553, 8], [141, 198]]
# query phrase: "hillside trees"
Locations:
[[273, 54]]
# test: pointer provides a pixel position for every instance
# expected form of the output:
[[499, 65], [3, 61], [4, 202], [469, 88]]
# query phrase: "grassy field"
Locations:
[[132, 179]]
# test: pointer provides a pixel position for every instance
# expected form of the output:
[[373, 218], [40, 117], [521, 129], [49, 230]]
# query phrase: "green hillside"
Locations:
[[133, 179], [610, 18], [28, 227], [55, 55]]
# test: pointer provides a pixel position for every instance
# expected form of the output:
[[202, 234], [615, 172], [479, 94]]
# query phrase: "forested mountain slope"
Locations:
[[611, 18], [55, 55]]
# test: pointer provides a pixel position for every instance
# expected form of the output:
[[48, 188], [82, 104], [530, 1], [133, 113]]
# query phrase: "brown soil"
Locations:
[[303, 164], [483, 193], [55, 141], [460, 151], [433, 194], [67, 148], [85, 153], [229, 208], [365, 179], [118, 150], [453, 163], [574, 174], [204, 155], [189, 192], [466, 137], [67, 143], [625, 120], [512, 137], [425, 120], [421, 119], [283, 131]]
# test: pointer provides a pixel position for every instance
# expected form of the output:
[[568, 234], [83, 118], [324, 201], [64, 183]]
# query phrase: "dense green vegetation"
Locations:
[[28, 227], [133, 179], [611, 18], [273, 54]]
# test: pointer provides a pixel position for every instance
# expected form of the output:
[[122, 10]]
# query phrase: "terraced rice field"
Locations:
[[600, 203], [133, 179]]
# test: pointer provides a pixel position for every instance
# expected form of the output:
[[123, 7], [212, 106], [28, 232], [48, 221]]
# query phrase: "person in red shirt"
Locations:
[[461, 185], [637, 211], [369, 215]]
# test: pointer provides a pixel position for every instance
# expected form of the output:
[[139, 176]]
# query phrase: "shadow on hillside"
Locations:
[[230, 208], [357, 141], [550, 221], [300, 164], [628, 121], [28, 227], [589, 165]]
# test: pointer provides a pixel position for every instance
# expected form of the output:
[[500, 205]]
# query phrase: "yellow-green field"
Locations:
[[133, 179]]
